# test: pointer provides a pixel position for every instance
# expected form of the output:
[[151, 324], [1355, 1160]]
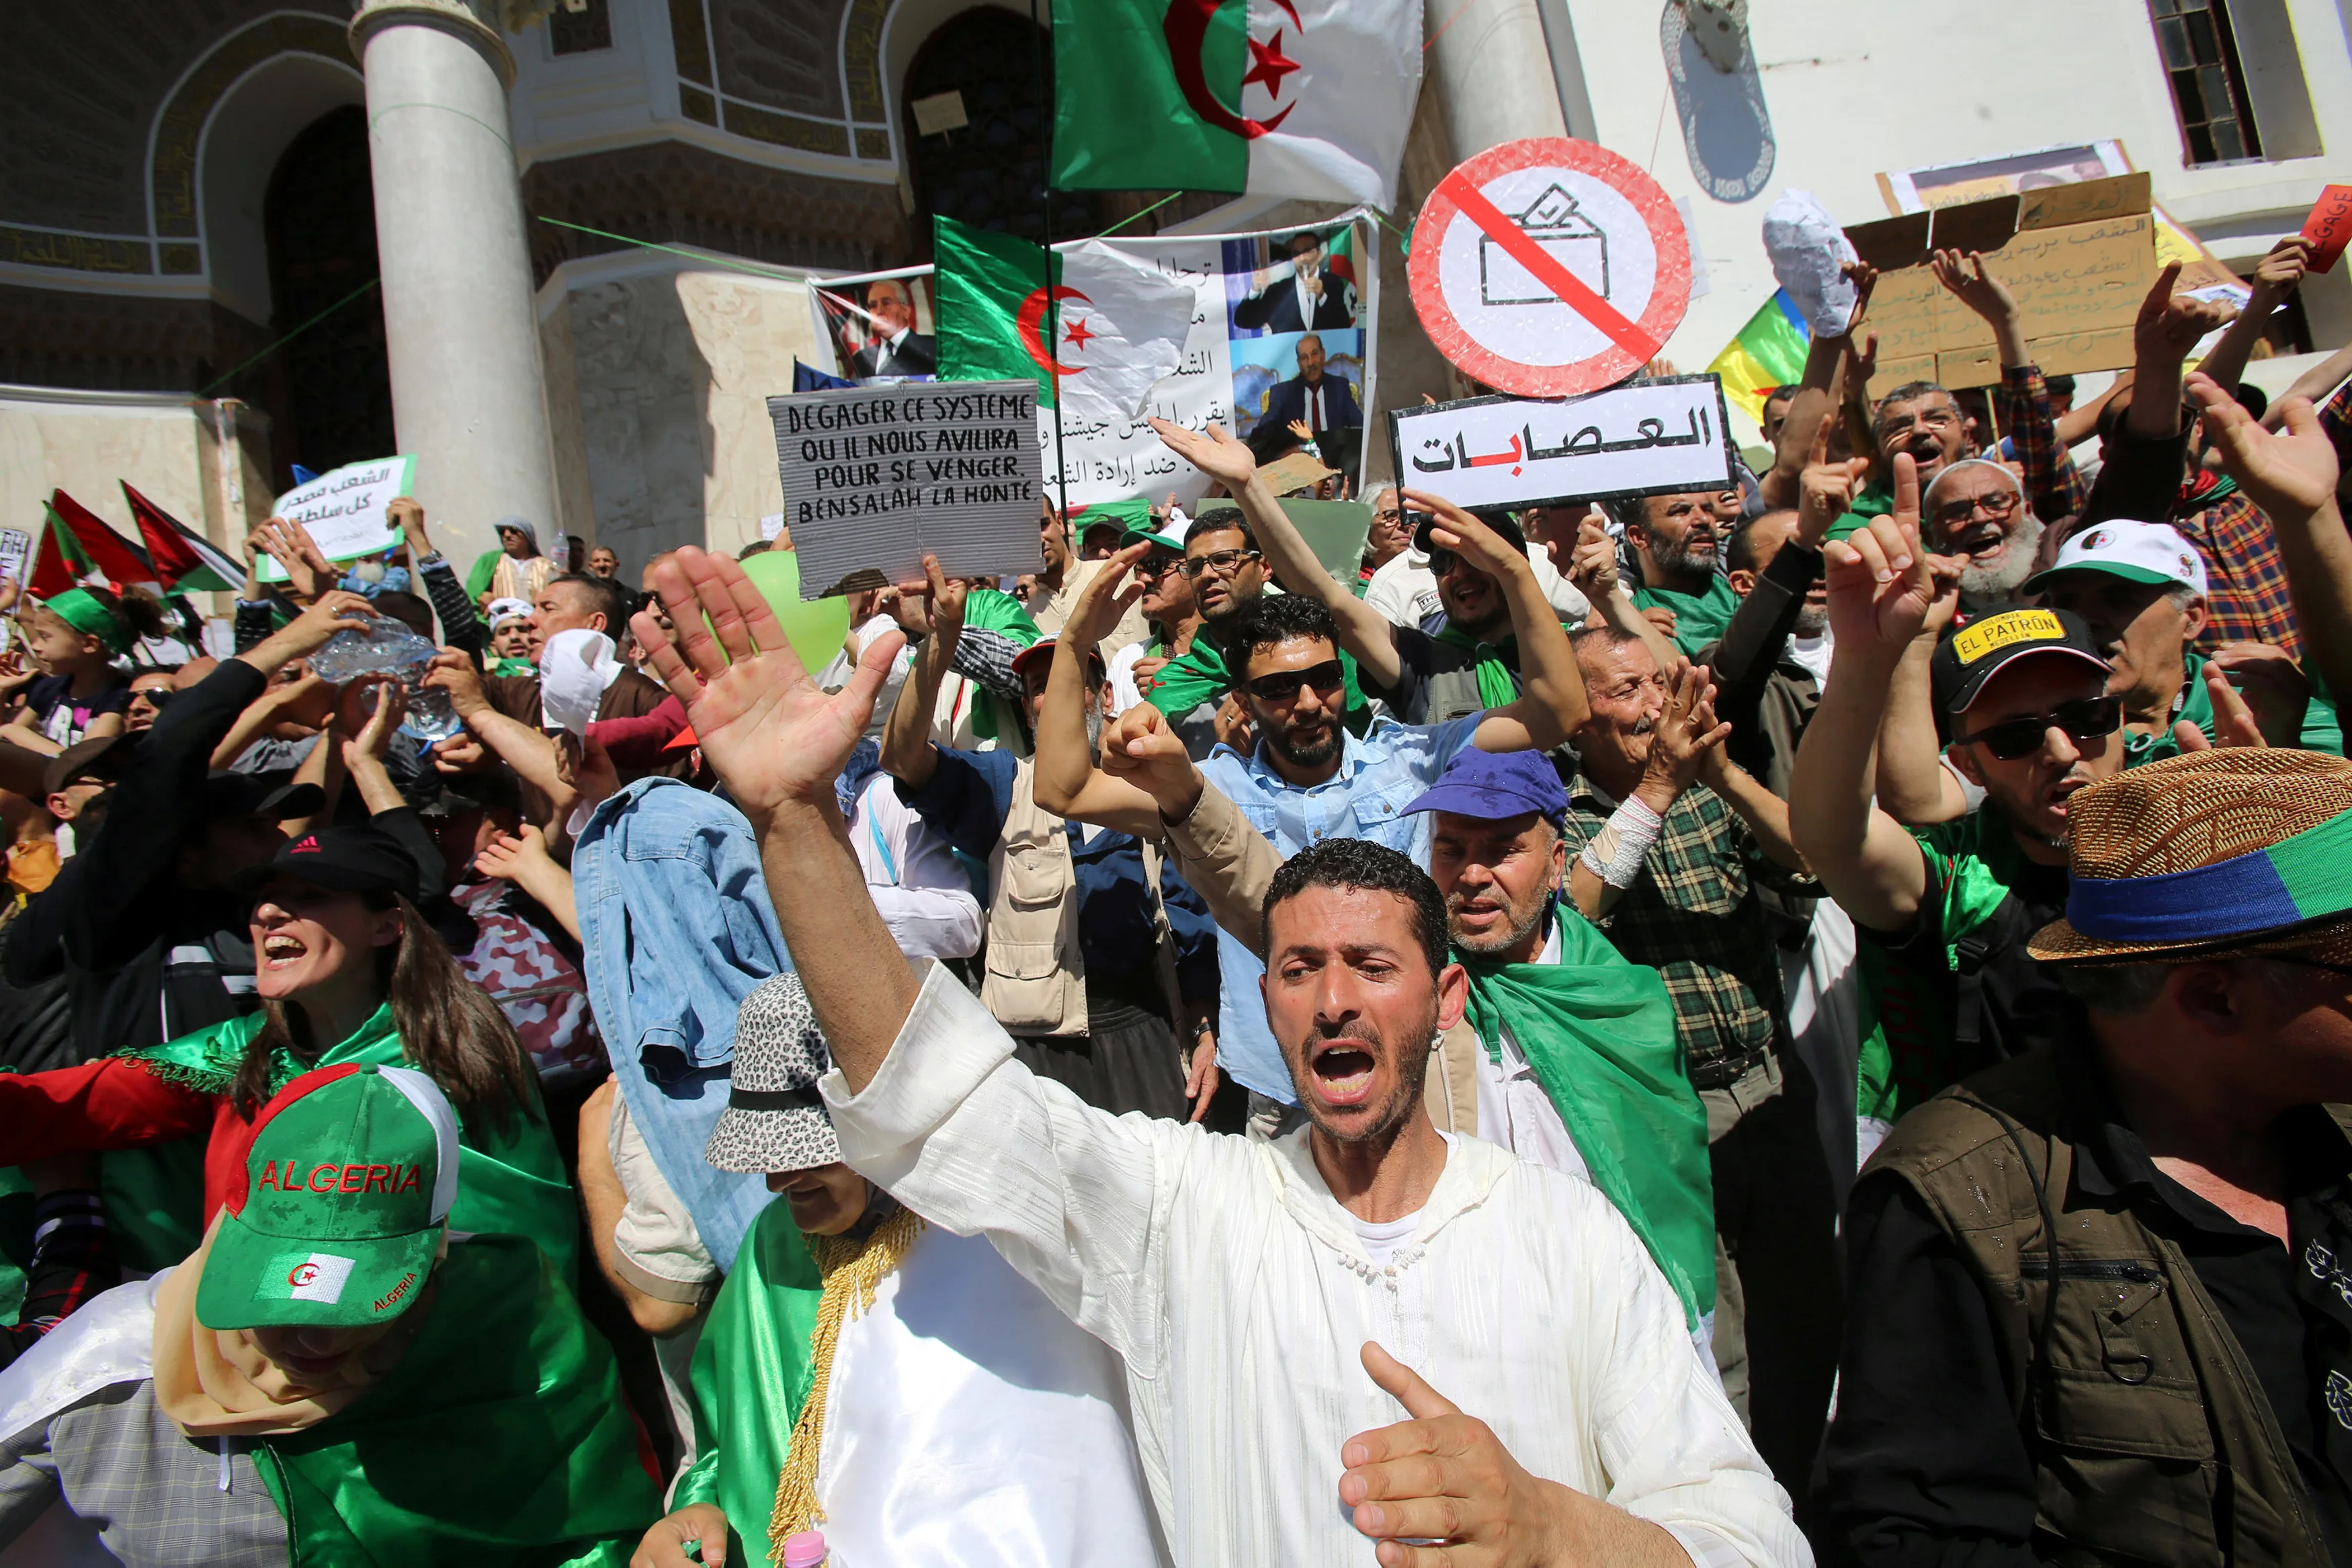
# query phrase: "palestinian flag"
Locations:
[[1277, 98], [1095, 340], [76, 547], [1768, 353], [185, 562]]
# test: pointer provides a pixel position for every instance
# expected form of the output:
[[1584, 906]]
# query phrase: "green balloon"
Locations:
[[817, 626]]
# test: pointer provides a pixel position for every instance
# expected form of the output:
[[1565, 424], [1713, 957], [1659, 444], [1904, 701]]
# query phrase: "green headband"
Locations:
[[83, 612]]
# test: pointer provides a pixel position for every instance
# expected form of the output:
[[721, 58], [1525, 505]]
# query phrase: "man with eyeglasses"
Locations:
[[2141, 588], [2118, 1271], [1169, 606], [1308, 779]]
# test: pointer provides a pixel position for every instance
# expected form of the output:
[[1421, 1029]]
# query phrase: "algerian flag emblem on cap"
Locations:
[[305, 1277]]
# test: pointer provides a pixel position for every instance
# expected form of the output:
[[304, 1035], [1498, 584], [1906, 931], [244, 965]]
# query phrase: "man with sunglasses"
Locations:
[[1169, 605], [2141, 588], [2115, 1271]]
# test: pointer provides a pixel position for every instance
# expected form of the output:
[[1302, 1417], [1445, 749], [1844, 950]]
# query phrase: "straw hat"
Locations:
[[2237, 850]]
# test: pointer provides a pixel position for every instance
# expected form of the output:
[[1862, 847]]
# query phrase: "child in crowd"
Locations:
[[74, 637]]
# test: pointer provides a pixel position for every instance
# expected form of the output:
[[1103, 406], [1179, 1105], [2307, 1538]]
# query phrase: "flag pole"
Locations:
[[1052, 312]]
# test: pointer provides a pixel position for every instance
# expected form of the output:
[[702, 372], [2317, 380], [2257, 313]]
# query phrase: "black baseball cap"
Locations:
[[1502, 523], [349, 860], [229, 793], [1969, 658]]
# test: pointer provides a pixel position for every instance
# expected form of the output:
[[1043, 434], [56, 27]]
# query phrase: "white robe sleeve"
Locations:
[[1074, 1199]]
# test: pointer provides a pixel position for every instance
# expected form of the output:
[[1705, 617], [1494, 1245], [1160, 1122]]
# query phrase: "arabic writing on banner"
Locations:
[[15, 551], [344, 510], [876, 478], [1252, 311], [1646, 438]]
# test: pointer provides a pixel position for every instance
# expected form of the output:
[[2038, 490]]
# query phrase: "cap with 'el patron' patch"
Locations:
[[2150, 553], [348, 1180], [1970, 656]]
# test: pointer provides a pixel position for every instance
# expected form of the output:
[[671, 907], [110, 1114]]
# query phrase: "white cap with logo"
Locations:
[[2138, 552]]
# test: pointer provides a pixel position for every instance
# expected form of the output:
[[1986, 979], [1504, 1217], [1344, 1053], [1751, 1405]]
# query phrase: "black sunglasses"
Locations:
[[1326, 678], [2092, 718]]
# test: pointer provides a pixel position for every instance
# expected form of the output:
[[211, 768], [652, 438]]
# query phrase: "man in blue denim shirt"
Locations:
[[1073, 968], [1308, 779]]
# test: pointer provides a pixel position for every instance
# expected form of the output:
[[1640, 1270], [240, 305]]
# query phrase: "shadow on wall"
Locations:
[[642, 383], [1727, 129]]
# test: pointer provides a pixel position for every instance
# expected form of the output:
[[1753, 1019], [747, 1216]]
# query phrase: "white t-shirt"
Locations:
[[1385, 1239]]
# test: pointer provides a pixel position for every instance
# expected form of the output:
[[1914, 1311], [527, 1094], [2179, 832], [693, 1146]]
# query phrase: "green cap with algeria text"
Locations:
[[348, 1182]]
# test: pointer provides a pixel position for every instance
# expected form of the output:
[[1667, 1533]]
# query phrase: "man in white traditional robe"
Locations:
[[1278, 1307]]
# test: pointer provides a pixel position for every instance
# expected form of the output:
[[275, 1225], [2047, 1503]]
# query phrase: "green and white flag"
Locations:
[[1107, 328], [1277, 98]]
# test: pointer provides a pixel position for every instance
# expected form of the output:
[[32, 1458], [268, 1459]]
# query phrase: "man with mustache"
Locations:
[[1307, 779], [1246, 1287], [1678, 540]]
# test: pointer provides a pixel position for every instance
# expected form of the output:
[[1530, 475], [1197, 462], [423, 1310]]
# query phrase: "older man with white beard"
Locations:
[[1976, 510], [1245, 1285]]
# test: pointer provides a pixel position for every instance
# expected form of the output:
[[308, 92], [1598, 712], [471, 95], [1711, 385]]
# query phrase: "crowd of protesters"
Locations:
[[1805, 1018]]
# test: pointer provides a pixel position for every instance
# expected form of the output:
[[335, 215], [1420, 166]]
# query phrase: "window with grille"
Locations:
[[2208, 85]]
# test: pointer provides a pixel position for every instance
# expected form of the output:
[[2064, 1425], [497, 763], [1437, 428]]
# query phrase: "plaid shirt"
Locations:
[[2050, 476], [1693, 916], [2246, 594]]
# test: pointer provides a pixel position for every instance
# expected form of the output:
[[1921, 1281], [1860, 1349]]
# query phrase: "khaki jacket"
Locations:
[[1037, 978], [1231, 865]]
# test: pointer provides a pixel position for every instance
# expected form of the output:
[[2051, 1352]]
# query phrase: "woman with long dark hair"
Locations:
[[349, 974]]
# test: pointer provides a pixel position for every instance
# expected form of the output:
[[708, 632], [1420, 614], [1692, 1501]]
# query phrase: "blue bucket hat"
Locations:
[[1490, 786]]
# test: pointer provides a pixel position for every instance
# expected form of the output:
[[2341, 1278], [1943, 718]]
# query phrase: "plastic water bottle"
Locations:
[[805, 1550], [389, 648]]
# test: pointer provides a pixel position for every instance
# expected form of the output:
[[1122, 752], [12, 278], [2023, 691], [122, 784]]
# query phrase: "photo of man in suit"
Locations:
[[1303, 296], [897, 349], [1323, 403]]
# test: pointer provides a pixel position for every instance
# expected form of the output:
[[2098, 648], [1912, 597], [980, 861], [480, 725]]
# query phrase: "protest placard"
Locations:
[[15, 551], [2329, 226], [344, 509], [875, 478], [1652, 438]]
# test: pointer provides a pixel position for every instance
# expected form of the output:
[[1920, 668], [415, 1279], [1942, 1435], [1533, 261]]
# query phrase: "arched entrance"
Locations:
[[332, 386], [990, 172]]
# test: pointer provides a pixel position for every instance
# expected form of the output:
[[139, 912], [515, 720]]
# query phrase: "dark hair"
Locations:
[[1739, 550], [407, 609], [2059, 386], [1777, 394], [603, 594], [137, 608], [1626, 511], [1225, 520], [757, 547], [1275, 618], [1909, 392], [2253, 398], [449, 1028], [1362, 864]]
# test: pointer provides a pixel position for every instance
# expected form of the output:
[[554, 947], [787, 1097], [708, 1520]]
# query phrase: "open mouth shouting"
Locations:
[[1982, 542], [1342, 1072], [282, 951]]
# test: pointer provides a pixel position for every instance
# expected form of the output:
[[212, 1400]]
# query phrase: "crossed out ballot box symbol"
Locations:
[[1563, 231]]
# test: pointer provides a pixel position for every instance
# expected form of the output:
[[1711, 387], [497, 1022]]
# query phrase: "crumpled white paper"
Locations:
[[1808, 251], [573, 671]]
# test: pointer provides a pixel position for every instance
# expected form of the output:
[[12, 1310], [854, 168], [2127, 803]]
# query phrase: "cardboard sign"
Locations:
[[2079, 258], [1549, 267], [2329, 226], [1658, 438], [875, 478], [343, 510]]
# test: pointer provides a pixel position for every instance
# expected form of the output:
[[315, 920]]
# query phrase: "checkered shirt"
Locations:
[[2051, 477]]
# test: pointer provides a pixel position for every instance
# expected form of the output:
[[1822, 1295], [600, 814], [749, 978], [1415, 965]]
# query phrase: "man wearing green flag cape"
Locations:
[[1567, 1053]]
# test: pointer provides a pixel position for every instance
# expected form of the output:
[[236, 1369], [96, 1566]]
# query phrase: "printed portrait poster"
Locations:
[[880, 328]]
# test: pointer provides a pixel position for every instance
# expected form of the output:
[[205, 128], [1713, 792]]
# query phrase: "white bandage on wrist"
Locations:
[[1617, 851]]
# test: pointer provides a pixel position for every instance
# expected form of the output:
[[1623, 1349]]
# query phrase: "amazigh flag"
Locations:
[[1277, 98], [76, 547], [1107, 328], [1768, 353], [185, 562]]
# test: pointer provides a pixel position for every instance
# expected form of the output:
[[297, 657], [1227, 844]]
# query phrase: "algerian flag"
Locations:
[[1278, 97], [1108, 328]]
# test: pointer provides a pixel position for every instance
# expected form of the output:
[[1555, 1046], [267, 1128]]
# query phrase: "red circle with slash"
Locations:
[[1513, 273]]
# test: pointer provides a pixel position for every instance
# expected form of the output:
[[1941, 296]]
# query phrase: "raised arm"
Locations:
[[461, 622], [1688, 730], [1820, 394], [2276, 277], [1592, 569], [908, 754], [778, 742], [2168, 327], [1067, 781], [1551, 704], [1880, 589], [1369, 636]]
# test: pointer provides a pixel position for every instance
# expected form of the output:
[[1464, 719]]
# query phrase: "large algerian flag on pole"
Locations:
[[1279, 97], [1095, 340]]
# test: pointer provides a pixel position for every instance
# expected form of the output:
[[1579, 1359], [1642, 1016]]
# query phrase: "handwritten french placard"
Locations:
[[1650, 438], [344, 509], [876, 478]]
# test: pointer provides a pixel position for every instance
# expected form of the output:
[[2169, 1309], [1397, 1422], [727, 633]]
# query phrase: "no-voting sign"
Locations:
[[1549, 267]]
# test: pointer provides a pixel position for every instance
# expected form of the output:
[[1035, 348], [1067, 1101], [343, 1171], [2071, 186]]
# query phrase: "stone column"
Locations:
[[468, 388], [1492, 70]]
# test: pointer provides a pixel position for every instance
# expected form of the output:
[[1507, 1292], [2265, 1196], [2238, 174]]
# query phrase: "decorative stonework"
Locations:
[[774, 71], [861, 62], [182, 123], [76, 253]]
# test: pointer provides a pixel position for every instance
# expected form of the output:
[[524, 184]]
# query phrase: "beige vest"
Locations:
[[1037, 981]]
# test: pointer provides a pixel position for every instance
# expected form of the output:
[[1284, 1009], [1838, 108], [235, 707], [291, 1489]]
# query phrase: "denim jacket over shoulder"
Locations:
[[678, 930]]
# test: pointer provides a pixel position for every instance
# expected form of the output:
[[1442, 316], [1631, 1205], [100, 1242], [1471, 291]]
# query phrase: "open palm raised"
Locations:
[[774, 737]]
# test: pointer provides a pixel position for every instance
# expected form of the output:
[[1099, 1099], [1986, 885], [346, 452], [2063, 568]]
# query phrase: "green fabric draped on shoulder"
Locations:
[[1497, 686], [510, 1183], [1200, 676], [1600, 1033], [499, 1438], [752, 1374], [993, 610]]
